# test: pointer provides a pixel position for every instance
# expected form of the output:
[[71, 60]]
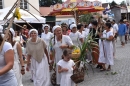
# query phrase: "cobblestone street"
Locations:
[[106, 78]]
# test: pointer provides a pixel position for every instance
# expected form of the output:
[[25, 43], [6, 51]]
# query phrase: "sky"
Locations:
[[104, 1]]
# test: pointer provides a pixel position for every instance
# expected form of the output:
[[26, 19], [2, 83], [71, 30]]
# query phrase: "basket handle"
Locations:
[[53, 68], [76, 70]]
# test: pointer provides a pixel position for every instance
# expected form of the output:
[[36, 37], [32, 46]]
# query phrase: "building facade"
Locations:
[[23, 5]]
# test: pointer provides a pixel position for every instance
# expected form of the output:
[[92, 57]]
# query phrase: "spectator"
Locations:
[[121, 32]]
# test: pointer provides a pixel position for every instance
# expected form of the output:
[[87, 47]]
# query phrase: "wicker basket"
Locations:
[[78, 76], [53, 76], [75, 55], [53, 79]]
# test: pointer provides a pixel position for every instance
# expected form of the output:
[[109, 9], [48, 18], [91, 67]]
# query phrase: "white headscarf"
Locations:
[[12, 31], [55, 27], [72, 26], [32, 30], [1, 29], [45, 25], [2, 35]]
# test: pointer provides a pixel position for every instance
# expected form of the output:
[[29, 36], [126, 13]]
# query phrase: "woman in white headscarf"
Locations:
[[75, 36], [47, 36], [59, 42], [37, 52], [18, 60]]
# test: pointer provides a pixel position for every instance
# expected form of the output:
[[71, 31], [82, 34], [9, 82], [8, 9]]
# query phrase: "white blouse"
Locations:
[[47, 37], [75, 38]]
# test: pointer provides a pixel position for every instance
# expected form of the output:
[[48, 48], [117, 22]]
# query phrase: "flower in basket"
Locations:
[[17, 14], [76, 53]]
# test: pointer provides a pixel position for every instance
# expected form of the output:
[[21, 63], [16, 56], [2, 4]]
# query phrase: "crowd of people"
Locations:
[[28, 46]]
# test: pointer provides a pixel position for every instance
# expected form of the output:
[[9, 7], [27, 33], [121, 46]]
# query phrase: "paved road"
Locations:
[[122, 67]]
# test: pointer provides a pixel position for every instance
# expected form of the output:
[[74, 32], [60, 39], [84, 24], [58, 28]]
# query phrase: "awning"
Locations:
[[24, 15]]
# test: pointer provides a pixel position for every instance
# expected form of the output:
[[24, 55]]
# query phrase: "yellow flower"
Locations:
[[76, 51], [17, 14]]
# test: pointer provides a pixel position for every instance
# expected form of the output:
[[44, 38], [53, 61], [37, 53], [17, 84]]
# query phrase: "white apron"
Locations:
[[41, 74]]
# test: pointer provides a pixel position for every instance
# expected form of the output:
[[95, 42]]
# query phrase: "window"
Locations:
[[1, 4], [23, 4]]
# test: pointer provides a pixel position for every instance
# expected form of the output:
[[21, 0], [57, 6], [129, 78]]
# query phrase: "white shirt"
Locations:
[[18, 39], [75, 37], [90, 25], [115, 27], [87, 31], [47, 37]]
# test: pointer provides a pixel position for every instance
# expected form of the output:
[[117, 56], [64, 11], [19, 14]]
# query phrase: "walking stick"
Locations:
[[9, 27]]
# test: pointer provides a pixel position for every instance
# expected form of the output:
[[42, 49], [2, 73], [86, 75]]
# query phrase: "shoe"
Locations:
[[31, 80], [98, 66], [101, 67], [90, 62]]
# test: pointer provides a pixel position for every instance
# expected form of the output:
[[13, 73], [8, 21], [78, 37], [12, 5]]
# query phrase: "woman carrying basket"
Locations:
[[59, 42]]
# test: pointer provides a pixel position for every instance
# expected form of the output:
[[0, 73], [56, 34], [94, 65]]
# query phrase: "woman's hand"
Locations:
[[64, 69], [52, 62], [22, 71], [64, 46], [27, 68]]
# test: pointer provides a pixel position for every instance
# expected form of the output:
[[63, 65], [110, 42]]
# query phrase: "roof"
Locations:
[[116, 6], [73, 1], [45, 10], [62, 16]]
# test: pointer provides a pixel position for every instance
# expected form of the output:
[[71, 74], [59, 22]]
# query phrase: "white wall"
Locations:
[[67, 20], [8, 3], [35, 3]]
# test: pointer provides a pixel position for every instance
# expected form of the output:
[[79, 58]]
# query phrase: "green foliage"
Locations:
[[113, 3], [48, 3], [123, 3], [86, 18]]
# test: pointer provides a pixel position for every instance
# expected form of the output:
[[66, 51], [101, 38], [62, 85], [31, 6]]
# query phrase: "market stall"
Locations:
[[76, 8]]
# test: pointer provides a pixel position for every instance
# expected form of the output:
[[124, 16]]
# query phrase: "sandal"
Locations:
[[108, 69], [103, 69]]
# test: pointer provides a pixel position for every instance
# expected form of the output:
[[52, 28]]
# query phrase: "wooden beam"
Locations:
[[10, 25]]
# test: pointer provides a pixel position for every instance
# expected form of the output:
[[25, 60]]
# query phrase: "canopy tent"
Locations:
[[24, 15], [76, 8]]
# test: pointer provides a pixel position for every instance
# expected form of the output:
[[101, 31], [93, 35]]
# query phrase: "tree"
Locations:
[[113, 3], [48, 3], [123, 4], [86, 18]]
